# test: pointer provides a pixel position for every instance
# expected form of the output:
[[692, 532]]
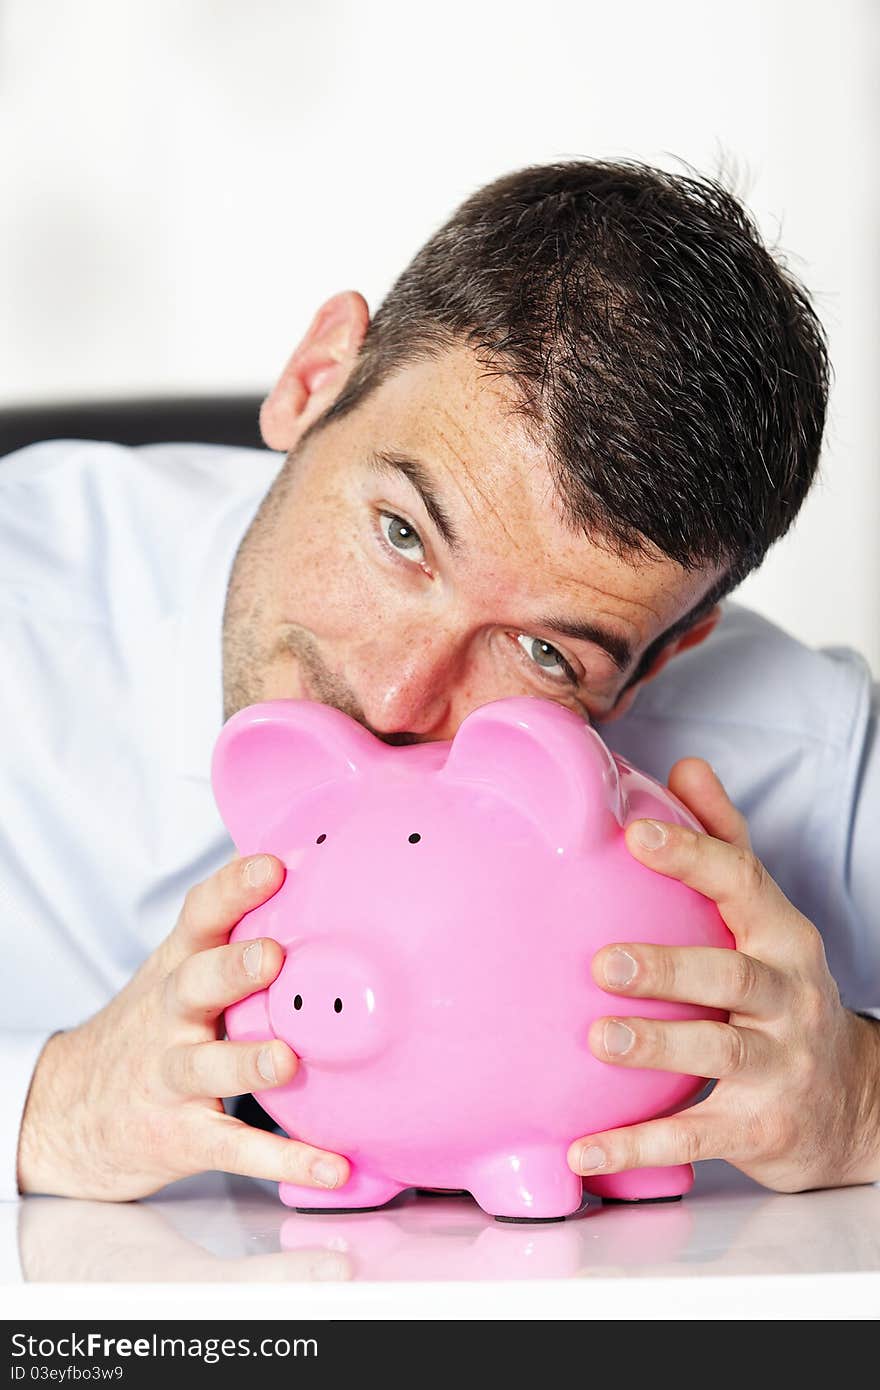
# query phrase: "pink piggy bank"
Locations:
[[441, 907]]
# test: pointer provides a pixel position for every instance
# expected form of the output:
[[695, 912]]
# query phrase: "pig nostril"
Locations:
[[414, 838], [337, 1004], [320, 840], [298, 1001]]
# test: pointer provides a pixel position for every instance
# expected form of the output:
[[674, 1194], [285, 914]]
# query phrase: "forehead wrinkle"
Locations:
[[607, 609], [450, 429], [474, 477], [508, 435], [542, 553]]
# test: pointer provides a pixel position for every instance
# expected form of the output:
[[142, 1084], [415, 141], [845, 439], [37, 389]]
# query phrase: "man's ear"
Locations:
[[316, 371], [692, 638]]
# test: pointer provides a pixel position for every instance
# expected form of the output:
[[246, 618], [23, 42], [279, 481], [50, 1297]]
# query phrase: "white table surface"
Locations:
[[731, 1248]]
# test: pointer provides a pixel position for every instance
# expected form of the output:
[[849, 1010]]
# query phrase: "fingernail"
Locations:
[[253, 958], [257, 871], [266, 1065], [618, 1038], [327, 1174], [650, 834], [591, 1157], [620, 968]]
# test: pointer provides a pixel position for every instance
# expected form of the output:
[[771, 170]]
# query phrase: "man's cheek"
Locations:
[[341, 596]]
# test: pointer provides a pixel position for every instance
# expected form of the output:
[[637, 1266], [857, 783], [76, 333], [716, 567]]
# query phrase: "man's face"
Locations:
[[345, 589]]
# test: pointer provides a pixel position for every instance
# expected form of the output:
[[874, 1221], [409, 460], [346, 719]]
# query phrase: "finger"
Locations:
[[205, 984], [750, 902], [212, 908], [221, 1142], [707, 975], [217, 1070], [692, 1047], [697, 784], [686, 1138]]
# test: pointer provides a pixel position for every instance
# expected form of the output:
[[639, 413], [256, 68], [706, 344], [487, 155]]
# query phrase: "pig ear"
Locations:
[[544, 759], [268, 754]]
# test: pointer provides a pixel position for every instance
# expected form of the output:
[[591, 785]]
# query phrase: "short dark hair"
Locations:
[[674, 369]]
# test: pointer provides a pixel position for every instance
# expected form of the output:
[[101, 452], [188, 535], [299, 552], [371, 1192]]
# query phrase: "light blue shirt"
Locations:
[[114, 564]]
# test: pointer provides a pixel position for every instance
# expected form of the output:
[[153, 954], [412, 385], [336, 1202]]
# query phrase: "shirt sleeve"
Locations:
[[863, 877]]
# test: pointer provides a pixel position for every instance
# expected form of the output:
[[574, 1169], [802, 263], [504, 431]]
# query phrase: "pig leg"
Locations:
[[526, 1185], [363, 1192], [643, 1184]]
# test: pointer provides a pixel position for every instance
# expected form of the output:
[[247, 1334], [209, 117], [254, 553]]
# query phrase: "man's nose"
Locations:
[[413, 690]]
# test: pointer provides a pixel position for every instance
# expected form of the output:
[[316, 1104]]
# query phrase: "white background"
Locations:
[[185, 180]]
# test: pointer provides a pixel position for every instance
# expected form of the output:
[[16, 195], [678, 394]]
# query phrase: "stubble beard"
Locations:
[[244, 659]]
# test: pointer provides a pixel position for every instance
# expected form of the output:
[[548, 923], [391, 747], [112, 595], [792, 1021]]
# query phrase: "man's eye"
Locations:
[[399, 533], [548, 658]]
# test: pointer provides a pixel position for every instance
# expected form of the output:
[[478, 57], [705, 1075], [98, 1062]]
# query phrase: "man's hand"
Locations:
[[128, 1101], [797, 1101]]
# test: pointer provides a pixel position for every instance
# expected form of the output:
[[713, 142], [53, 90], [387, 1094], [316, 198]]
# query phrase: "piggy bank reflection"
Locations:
[[440, 910]]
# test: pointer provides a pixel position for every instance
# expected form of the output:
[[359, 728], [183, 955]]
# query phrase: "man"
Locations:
[[581, 416]]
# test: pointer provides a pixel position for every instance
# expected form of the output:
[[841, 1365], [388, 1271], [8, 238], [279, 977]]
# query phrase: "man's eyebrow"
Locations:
[[618, 648], [387, 461], [390, 462]]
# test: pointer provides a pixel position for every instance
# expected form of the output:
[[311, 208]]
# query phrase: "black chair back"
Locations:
[[184, 419]]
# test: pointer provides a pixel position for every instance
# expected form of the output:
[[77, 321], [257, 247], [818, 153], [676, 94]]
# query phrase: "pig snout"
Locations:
[[329, 1003]]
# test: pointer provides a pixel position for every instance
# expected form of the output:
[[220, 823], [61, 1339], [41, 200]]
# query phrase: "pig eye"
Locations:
[[414, 838], [298, 1001], [320, 840], [337, 1005]]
